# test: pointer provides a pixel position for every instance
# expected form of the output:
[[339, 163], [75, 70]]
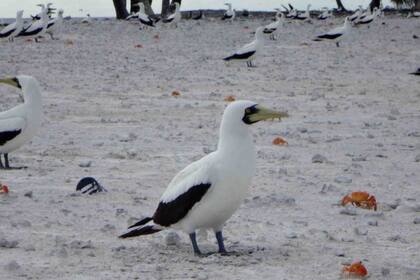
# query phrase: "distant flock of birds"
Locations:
[[41, 24]]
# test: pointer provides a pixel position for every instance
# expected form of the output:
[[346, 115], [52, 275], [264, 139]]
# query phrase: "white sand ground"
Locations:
[[108, 104]]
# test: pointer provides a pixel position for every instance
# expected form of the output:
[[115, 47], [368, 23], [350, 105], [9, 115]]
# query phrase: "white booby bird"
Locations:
[[50, 11], [55, 24], [37, 28], [87, 19], [306, 16], [206, 193], [19, 124], [249, 51], [292, 12], [368, 18], [174, 18], [337, 34], [273, 27], [356, 15], [326, 14], [229, 14], [143, 17], [13, 29]]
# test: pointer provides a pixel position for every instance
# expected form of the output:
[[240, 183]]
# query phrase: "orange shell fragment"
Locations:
[[139, 46], [230, 98], [175, 93], [355, 270], [279, 141]]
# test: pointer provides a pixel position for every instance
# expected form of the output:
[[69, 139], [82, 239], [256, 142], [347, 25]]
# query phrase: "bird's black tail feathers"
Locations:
[[141, 228]]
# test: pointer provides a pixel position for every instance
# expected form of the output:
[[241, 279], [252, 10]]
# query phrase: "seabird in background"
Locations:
[[369, 18], [144, 19], [12, 30], [87, 19], [354, 17], [229, 14], [55, 25], [273, 27], [326, 14], [306, 16], [37, 28], [417, 73], [50, 11], [174, 18], [199, 16], [337, 34], [249, 51], [206, 193], [20, 124]]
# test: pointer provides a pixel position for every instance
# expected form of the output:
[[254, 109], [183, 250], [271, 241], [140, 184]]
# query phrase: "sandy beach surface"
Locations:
[[108, 113]]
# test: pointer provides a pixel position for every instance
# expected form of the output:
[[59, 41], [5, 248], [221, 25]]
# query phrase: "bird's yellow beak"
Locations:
[[261, 113], [10, 81]]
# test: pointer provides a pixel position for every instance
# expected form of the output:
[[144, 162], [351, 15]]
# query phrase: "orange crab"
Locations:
[[356, 269], [360, 199], [279, 141]]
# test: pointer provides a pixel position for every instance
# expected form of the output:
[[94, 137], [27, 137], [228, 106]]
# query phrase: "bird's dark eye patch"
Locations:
[[248, 112], [17, 83]]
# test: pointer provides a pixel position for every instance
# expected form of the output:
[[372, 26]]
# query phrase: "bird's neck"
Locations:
[[235, 141]]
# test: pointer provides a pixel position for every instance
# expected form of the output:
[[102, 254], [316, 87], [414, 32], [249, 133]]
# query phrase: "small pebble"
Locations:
[[361, 231], [343, 180], [29, 194], [385, 271], [318, 159], [8, 244], [417, 158], [12, 266], [85, 164], [348, 211], [373, 223], [416, 220], [172, 239]]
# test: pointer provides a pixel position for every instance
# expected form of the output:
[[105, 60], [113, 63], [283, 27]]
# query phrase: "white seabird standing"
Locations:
[[326, 14], [174, 18], [12, 30], [249, 51], [306, 16], [37, 28], [206, 193], [273, 27], [229, 14], [337, 34], [144, 19], [55, 25], [20, 124]]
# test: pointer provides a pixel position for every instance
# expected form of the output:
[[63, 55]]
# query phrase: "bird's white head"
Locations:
[[60, 12], [28, 84], [237, 118], [19, 14]]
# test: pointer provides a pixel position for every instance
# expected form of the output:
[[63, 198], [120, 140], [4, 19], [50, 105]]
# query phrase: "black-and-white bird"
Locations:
[[206, 193], [50, 11], [249, 51], [174, 18], [355, 16], [20, 124], [144, 19], [306, 16], [273, 27], [12, 30], [368, 18], [326, 14], [38, 28], [199, 16], [230, 13], [55, 25], [337, 34], [417, 73]]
